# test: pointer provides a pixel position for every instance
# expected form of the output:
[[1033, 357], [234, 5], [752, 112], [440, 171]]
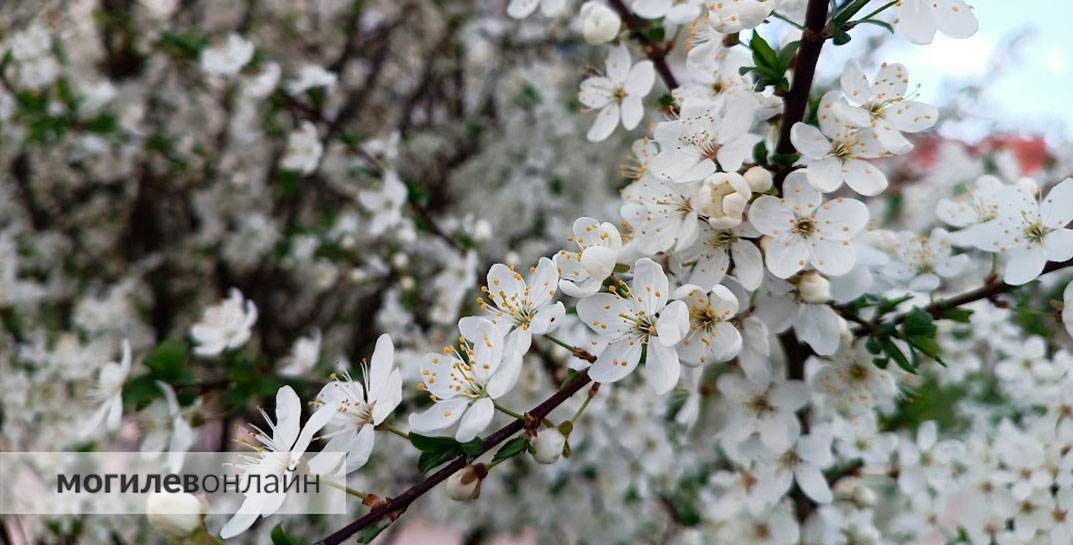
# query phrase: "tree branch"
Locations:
[[399, 504], [937, 308], [796, 101], [655, 52]]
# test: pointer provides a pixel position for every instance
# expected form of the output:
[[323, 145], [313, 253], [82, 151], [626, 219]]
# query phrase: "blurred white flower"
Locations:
[[108, 394], [177, 514], [225, 326], [304, 149], [303, 357], [918, 20], [227, 58]]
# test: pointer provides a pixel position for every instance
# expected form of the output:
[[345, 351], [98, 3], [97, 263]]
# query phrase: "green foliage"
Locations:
[[770, 66], [841, 24], [436, 451], [511, 449], [168, 363], [183, 45], [916, 332], [930, 401], [280, 537]]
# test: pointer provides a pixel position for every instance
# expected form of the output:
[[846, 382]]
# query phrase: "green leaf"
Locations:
[[872, 346], [280, 537], [431, 460], [875, 22], [760, 153], [426, 443], [168, 361], [474, 447], [656, 34], [785, 159], [896, 354], [929, 346], [887, 306], [786, 56], [370, 533], [918, 323], [511, 448], [960, 315], [763, 53]]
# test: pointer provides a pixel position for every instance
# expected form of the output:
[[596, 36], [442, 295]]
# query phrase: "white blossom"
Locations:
[[361, 406], [229, 57], [712, 336], [464, 387], [837, 154], [635, 319], [108, 394], [691, 145], [582, 273], [766, 410], [920, 19], [520, 9], [277, 454], [225, 326], [806, 230], [882, 105], [617, 94], [303, 149], [1028, 232]]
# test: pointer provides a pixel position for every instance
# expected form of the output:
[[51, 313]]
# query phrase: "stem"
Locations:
[[585, 404], [507, 411], [388, 427], [345, 488], [563, 344], [881, 9], [986, 291], [786, 19], [804, 71], [399, 503]]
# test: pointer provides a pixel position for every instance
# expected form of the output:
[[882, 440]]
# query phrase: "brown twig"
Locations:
[[937, 308], [812, 38], [395, 506]]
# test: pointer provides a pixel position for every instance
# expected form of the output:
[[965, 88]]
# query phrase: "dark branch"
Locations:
[[796, 102], [936, 309], [399, 504]]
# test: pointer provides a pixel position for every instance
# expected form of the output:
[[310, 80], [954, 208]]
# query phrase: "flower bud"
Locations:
[[599, 23], [722, 199], [465, 485], [548, 445], [813, 288], [759, 179], [863, 497], [176, 514]]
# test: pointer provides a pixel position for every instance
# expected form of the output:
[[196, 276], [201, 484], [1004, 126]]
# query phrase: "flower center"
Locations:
[[1036, 232], [804, 227]]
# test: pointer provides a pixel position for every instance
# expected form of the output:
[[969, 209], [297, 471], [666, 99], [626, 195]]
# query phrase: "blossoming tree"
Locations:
[[772, 326]]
